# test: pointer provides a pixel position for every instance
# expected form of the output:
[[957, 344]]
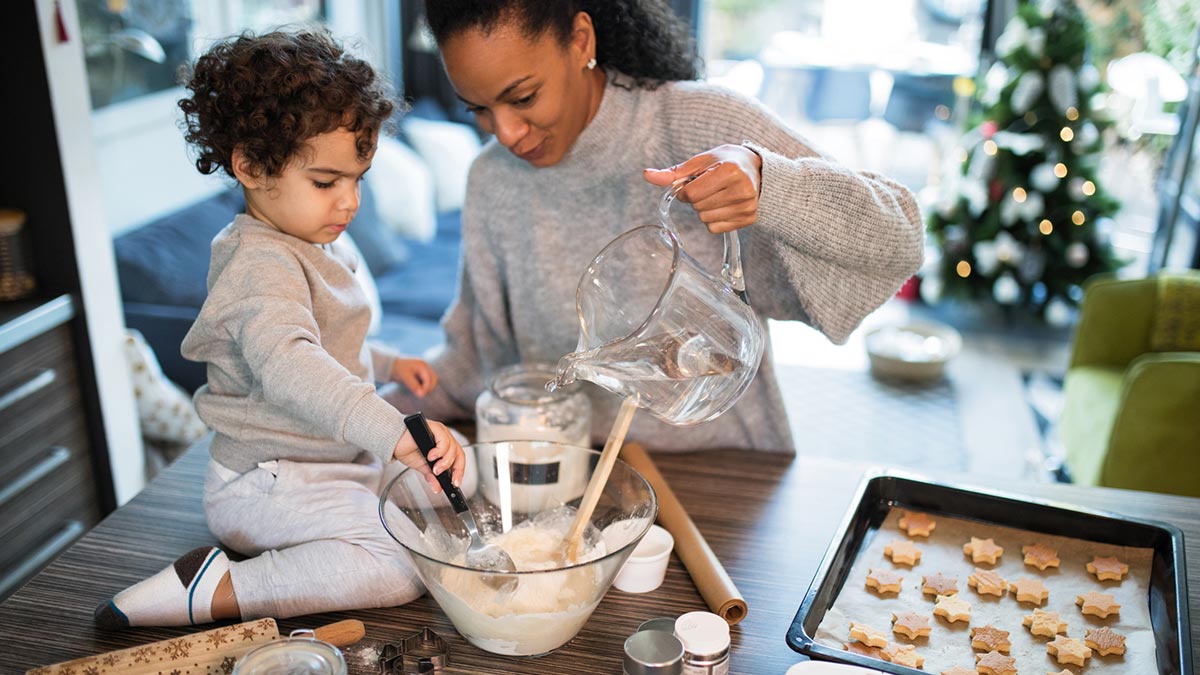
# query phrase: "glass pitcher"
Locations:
[[656, 327]]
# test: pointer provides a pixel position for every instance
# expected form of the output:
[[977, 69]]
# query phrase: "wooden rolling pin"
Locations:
[[213, 651]]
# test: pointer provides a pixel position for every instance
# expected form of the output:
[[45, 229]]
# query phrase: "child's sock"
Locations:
[[179, 595]]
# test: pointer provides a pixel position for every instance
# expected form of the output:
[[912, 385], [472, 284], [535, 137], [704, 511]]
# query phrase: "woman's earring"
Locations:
[[592, 63]]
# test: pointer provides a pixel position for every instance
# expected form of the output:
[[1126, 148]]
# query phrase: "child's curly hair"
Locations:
[[270, 93]]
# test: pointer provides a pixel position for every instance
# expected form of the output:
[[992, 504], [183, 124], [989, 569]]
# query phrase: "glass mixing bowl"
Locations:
[[550, 600]]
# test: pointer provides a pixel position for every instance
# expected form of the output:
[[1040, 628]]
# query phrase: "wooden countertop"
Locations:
[[768, 517]]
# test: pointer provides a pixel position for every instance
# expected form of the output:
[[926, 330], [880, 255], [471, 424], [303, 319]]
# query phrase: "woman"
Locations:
[[585, 98]]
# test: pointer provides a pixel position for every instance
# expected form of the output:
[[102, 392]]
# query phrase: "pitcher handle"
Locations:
[[731, 269]]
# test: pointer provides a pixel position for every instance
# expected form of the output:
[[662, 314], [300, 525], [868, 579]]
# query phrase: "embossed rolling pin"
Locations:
[[709, 575], [213, 651]]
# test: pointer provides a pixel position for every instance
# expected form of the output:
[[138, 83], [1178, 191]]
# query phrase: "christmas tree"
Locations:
[[1026, 221]]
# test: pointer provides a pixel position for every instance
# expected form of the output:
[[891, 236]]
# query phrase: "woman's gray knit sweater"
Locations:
[[830, 245]]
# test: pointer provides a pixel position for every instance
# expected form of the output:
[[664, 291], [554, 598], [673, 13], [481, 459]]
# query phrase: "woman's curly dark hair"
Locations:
[[640, 38], [268, 94]]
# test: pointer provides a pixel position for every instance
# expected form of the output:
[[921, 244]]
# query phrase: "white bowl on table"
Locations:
[[912, 351]]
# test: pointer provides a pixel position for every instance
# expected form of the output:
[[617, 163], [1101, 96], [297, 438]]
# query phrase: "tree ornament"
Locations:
[[1058, 312], [1077, 254], [993, 83], [1062, 88], [1086, 138], [1033, 263], [988, 128], [1008, 249], [1089, 78], [1043, 178], [1006, 290], [1025, 94], [986, 260], [931, 289], [1019, 144], [975, 194], [1075, 188]]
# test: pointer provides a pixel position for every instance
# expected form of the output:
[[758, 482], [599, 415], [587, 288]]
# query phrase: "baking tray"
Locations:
[[879, 492]]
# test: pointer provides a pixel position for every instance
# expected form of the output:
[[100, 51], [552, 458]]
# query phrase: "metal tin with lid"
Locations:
[[653, 652], [705, 639], [298, 654]]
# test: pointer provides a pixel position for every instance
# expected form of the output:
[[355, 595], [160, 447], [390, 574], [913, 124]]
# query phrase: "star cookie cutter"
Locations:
[[422, 652]]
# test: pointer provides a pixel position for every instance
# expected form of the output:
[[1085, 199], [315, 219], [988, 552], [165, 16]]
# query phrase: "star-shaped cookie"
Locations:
[[903, 552], [1068, 650], [1105, 641], [1107, 568], [911, 625], [990, 639], [917, 524], [983, 550], [995, 663], [938, 584], [952, 608], [867, 635], [1097, 604], [863, 650], [905, 655], [884, 581], [1040, 556], [1029, 590], [1046, 624], [987, 582], [959, 670]]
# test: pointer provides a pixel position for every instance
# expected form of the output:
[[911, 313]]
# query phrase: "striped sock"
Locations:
[[179, 595]]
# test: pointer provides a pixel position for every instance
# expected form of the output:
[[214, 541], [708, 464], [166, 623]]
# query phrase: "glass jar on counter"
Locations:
[[298, 654], [517, 407]]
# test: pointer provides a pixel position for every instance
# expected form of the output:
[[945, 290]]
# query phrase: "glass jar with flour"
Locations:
[[517, 407]]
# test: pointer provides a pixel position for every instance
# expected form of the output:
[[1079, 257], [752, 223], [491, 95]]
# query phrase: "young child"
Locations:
[[302, 439]]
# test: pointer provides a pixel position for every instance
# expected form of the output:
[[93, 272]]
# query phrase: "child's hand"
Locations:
[[415, 374], [447, 455]]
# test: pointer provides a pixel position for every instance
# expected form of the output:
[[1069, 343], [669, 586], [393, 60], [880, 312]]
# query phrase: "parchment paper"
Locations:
[[949, 645]]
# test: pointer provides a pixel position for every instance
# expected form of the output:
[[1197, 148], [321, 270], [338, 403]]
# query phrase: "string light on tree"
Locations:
[[1028, 163]]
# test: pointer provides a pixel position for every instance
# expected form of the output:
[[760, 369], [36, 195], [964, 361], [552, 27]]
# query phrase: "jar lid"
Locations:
[[653, 652], [702, 633], [11, 221], [292, 656]]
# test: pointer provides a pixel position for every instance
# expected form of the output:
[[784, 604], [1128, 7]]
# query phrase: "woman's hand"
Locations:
[[415, 374], [447, 455], [725, 192]]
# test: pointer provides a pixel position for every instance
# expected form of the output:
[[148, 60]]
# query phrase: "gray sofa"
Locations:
[[163, 267]]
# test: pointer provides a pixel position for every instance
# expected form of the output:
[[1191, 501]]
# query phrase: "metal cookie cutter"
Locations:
[[421, 652]]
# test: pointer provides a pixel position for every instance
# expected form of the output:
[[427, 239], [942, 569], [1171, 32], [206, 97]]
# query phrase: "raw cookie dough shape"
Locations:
[[867, 635], [1098, 604], [987, 582], [939, 584], [1029, 590], [1105, 641], [884, 581], [1107, 569], [1040, 556], [983, 550], [911, 625], [917, 524], [990, 639], [902, 552], [995, 663], [952, 608], [1046, 624], [905, 655], [1068, 650]]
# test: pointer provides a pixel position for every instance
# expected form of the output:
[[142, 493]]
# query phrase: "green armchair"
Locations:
[[1131, 413]]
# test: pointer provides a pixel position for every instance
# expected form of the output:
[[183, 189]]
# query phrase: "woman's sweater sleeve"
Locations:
[[830, 244], [276, 335]]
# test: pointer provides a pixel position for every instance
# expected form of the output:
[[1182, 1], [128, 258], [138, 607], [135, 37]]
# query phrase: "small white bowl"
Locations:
[[912, 351], [647, 565]]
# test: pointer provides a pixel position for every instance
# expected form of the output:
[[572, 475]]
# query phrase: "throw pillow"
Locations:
[[1176, 325], [403, 191], [448, 149], [165, 411], [382, 249], [367, 282]]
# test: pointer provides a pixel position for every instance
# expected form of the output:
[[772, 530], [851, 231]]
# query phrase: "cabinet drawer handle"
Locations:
[[57, 457], [64, 538], [44, 378]]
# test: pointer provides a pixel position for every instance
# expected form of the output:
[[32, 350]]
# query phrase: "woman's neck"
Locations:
[[595, 94]]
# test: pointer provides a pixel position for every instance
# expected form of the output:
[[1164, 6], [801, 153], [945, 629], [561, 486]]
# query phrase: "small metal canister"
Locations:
[[298, 654], [653, 652], [16, 275]]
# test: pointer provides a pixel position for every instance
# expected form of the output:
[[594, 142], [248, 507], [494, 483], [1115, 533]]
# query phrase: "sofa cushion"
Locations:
[[403, 191], [166, 261], [448, 149], [1176, 326], [381, 248], [425, 286]]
